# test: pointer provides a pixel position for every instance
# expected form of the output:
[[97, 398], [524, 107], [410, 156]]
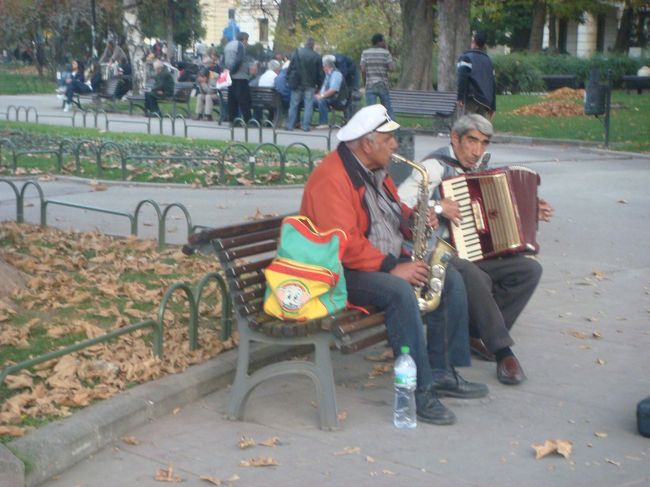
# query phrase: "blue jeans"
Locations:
[[382, 93], [323, 106], [396, 298], [306, 95]]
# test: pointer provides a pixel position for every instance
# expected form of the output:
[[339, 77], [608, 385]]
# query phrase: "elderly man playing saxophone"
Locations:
[[351, 190], [497, 288]]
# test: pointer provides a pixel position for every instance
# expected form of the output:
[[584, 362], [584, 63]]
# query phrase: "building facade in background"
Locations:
[[258, 21]]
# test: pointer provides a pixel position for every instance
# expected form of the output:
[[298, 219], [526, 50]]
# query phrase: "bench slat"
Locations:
[[236, 271], [364, 342]]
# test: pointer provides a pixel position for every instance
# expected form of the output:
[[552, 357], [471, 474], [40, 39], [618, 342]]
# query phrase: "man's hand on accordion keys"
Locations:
[[451, 211], [544, 210]]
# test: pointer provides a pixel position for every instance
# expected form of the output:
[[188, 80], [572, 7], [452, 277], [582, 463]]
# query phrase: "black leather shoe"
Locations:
[[453, 385], [430, 410], [510, 372]]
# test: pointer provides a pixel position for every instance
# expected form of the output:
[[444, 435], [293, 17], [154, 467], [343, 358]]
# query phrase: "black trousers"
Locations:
[[497, 292], [239, 100], [151, 103]]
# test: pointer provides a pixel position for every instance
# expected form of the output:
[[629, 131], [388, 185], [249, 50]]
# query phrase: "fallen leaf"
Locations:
[[369, 459], [600, 434], [348, 450], [167, 475], [342, 416], [176, 411], [271, 442], [12, 431], [624, 202], [613, 462], [562, 447], [596, 334], [130, 440], [212, 480], [259, 462], [600, 361], [245, 442], [388, 472]]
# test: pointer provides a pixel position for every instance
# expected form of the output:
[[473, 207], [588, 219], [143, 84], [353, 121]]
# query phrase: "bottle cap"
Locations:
[[405, 349]]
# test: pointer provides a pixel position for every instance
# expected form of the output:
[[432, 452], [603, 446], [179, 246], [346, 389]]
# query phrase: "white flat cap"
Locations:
[[373, 118]]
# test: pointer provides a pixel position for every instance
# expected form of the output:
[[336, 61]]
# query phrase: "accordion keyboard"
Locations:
[[465, 236]]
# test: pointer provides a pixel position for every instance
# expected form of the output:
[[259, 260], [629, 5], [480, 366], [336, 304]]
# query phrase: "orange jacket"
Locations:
[[334, 198]]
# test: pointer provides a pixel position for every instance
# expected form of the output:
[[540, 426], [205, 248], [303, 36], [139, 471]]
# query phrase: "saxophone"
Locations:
[[429, 295]]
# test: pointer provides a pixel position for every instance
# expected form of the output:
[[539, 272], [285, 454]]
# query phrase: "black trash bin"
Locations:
[[596, 95]]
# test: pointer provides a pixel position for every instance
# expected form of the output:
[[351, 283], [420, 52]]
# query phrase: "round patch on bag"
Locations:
[[292, 295]]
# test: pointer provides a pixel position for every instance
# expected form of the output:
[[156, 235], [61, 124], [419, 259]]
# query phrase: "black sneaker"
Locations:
[[453, 385], [430, 410]]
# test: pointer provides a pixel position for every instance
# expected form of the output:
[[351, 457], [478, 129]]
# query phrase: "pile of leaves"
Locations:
[[81, 285], [564, 102]]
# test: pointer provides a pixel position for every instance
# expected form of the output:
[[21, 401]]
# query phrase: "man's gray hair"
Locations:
[[473, 122], [274, 65], [329, 60]]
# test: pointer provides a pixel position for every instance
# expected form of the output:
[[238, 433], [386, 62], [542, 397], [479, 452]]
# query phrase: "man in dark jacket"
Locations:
[[239, 95], [163, 87], [476, 84], [304, 78]]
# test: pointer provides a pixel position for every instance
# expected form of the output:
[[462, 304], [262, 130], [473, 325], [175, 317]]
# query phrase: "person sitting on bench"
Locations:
[[163, 87], [333, 93], [351, 190]]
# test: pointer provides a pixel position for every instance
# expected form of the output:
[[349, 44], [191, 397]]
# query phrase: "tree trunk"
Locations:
[[134, 43], [624, 29], [285, 29], [454, 37], [417, 44], [171, 47], [552, 33], [537, 26]]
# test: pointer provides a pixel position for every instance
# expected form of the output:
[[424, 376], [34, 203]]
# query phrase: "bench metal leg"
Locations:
[[319, 371]]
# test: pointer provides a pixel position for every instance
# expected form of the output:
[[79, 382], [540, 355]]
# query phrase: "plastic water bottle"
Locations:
[[404, 415]]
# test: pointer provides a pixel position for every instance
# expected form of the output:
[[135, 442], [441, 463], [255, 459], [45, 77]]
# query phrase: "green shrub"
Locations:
[[514, 74], [521, 72]]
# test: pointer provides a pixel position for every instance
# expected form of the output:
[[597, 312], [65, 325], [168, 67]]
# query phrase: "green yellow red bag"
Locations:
[[305, 280]]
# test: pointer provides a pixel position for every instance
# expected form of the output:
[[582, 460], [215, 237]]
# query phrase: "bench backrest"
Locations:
[[183, 91], [263, 97], [423, 102]]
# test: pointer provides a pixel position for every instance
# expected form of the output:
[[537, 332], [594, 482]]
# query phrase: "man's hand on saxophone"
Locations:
[[416, 273]]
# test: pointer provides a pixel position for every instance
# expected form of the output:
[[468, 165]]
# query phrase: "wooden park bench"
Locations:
[[435, 104], [181, 98], [557, 81], [638, 83], [244, 251], [261, 99], [108, 90]]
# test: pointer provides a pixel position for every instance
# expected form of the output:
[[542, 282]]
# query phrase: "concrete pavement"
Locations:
[[580, 388]]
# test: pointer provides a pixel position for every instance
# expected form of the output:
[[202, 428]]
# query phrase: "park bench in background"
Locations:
[[108, 90], [557, 81], [180, 99], [435, 104], [638, 83], [262, 99], [244, 251]]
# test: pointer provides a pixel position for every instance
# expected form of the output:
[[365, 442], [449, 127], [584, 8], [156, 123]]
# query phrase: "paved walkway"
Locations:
[[580, 388]]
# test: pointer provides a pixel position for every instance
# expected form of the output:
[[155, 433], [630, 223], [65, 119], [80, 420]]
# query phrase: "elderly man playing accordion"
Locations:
[[498, 287]]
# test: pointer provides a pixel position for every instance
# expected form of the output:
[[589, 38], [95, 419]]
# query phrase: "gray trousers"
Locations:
[[497, 291]]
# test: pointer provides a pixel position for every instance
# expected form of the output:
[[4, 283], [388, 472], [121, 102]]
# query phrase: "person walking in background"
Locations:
[[376, 62], [476, 83], [239, 95], [304, 78]]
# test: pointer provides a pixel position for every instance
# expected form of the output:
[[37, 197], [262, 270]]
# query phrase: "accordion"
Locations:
[[498, 209]]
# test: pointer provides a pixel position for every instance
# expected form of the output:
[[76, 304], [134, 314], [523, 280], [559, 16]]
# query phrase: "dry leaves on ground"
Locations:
[[259, 462], [167, 475], [99, 281], [561, 447], [565, 102]]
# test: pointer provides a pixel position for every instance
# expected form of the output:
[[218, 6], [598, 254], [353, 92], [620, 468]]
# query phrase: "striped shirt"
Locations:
[[384, 214], [376, 61]]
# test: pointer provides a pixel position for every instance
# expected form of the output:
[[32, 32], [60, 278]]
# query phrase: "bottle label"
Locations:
[[407, 380]]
